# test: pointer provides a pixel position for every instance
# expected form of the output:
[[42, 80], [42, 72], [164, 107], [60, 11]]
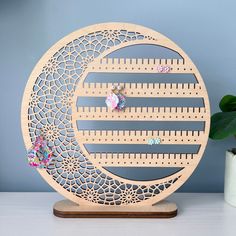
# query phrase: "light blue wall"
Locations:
[[204, 29]]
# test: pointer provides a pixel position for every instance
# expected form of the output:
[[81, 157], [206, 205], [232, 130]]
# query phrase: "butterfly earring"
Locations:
[[39, 155], [121, 97], [112, 99], [116, 100]]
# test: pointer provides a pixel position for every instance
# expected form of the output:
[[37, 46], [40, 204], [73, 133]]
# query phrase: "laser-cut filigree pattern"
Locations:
[[90, 195], [128, 196], [50, 131], [49, 110], [51, 66]]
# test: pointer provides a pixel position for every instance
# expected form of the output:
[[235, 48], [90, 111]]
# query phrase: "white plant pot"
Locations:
[[230, 178]]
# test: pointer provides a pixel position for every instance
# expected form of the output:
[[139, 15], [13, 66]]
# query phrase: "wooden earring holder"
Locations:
[[59, 81]]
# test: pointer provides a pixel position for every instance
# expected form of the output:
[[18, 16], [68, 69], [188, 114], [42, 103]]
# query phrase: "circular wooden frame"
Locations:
[[49, 103]]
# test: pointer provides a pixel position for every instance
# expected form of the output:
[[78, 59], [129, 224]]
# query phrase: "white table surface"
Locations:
[[199, 214]]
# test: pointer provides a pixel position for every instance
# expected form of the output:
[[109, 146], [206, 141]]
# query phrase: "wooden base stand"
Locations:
[[68, 209]]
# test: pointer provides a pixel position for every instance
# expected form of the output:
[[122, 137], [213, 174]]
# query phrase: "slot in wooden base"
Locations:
[[68, 209]]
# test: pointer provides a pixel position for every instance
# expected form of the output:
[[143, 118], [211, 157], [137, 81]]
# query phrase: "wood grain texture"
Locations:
[[143, 114], [145, 159], [144, 89], [139, 65], [68, 209]]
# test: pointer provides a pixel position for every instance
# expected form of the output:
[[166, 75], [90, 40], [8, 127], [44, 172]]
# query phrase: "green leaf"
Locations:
[[223, 125], [228, 103]]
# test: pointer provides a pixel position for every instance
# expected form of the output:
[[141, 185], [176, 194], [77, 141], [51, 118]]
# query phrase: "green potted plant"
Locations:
[[223, 125]]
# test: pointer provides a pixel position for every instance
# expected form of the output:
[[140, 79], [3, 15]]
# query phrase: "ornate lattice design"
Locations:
[[51, 66], [48, 107], [51, 131], [90, 195], [128, 196], [70, 165]]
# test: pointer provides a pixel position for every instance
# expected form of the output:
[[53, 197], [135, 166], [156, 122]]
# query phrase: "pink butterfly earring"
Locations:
[[122, 100], [39, 155], [116, 100]]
